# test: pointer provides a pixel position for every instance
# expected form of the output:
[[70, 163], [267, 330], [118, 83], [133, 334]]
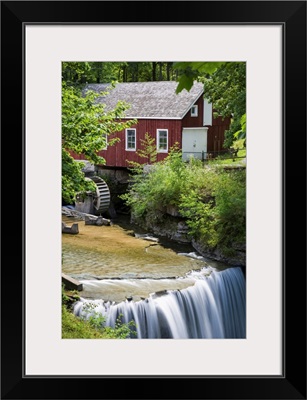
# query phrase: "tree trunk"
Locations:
[[154, 71], [160, 71], [168, 70], [125, 73]]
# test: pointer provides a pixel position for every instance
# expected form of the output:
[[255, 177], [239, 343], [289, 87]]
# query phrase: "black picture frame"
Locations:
[[292, 383]]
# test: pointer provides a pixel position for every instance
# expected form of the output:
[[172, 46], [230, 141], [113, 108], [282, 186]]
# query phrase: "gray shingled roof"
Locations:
[[156, 100]]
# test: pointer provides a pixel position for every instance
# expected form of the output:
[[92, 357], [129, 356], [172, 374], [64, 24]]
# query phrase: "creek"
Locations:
[[166, 288]]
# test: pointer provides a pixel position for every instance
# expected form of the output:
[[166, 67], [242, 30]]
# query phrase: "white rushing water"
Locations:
[[213, 307]]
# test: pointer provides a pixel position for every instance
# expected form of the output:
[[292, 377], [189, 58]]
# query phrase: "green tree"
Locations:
[[214, 204], [147, 151], [76, 73], [79, 73], [103, 72], [224, 86], [226, 89], [85, 128], [145, 71]]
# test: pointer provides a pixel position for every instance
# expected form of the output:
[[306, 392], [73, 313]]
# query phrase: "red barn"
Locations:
[[186, 118]]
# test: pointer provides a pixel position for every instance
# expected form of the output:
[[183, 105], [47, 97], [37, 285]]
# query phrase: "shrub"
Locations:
[[210, 198]]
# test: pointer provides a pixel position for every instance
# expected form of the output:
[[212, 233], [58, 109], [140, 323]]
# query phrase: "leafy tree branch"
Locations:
[[85, 128], [224, 86]]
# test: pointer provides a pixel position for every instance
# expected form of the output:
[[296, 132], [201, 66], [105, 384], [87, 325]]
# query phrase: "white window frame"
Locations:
[[194, 111], [126, 139], [158, 141]]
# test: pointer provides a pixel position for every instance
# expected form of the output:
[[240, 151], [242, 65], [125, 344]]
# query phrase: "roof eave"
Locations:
[[171, 118], [191, 104]]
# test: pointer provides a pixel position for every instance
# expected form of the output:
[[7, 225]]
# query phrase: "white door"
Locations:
[[194, 143]]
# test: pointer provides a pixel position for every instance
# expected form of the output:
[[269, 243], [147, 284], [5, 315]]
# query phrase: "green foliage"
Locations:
[[230, 198], [210, 199], [73, 178], [214, 205], [75, 72], [240, 135], [121, 330], [145, 71], [78, 73], [226, 89], [224, 86], [157, 188], [97, 320], [242, 153], [93, 326], [190, 71], [86, 124], [65, 298], [85, 127], [148, 149], [75, 328], [239, 144], [69, 297]]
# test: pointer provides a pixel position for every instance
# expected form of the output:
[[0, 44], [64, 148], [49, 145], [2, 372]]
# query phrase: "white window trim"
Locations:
[[158, 141], [126, 139], [195, 113], [207, 113]]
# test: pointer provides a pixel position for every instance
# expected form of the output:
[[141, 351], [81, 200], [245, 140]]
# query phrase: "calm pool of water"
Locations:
[[113, 264]]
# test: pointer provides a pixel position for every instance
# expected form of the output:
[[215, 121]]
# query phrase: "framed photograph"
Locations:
[[253, 348]]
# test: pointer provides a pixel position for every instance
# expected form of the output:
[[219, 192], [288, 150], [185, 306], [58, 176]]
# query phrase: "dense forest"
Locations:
[[105, 72]]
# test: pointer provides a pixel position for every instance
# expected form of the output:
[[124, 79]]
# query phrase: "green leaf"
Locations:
[[185, 82], [189, 71]]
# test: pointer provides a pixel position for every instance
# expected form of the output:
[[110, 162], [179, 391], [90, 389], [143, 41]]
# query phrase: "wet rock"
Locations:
[[99, 221], [237, 258], [73, 229], [181, 235], [160, 293], [146, 236]]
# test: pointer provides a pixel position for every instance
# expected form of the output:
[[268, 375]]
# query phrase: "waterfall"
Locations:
[[214, 307]]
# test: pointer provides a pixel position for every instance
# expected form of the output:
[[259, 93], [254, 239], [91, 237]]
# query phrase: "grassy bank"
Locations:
[[74, 327]]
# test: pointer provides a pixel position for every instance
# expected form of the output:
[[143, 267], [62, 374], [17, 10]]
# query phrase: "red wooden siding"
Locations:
[[216, 134], [117, 155], [76, 156], [194, 122]]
